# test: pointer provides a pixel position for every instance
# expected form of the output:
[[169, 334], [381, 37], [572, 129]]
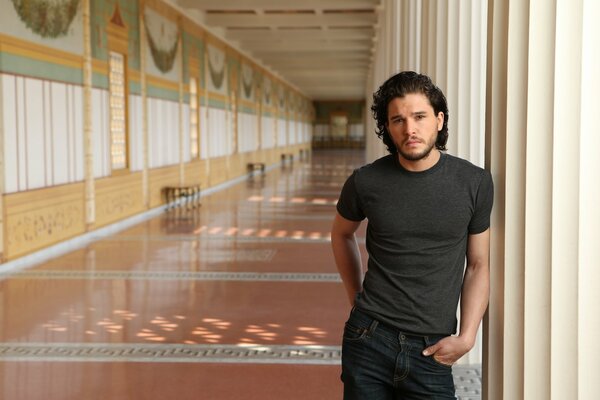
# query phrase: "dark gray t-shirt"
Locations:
[[418, 225]]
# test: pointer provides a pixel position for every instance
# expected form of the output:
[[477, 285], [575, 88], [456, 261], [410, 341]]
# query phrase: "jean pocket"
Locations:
[[437, 363], [352, 333]]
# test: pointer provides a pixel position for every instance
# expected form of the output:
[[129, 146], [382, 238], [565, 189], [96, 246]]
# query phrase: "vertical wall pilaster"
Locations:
[[143, 89], [2, 176], [206, 113], [88, 131], [182, 131], [87, 118]]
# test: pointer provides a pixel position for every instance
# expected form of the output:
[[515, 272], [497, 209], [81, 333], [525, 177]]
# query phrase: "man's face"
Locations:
[[413, 125]]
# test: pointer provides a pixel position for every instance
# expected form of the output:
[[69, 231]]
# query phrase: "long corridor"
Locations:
[[236, 299]]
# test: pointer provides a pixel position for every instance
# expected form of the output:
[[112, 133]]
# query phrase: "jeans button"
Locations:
[[402, 337]]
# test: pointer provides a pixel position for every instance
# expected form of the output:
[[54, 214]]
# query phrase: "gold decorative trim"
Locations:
[[218, 96], [118, 197], [38, 218], [162, 83], [13, 45]]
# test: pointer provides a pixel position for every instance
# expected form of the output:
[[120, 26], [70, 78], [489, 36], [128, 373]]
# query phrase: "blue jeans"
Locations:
[[380, 362]]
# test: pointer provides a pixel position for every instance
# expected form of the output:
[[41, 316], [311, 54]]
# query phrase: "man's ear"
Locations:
[[440, 120]]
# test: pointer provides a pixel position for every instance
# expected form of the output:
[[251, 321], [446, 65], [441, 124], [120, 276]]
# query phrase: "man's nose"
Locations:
[[410, 127]]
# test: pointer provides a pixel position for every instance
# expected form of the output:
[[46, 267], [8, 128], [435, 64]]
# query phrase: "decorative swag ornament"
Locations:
[[216, 66], [281, 97], [163, 38], [267, 91], [47, 18], [247, 80]]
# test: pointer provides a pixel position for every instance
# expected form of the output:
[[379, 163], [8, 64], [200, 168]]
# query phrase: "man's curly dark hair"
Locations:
[[399, 85]]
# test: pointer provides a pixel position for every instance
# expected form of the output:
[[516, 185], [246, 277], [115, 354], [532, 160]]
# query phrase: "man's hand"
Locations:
[[448, 350]]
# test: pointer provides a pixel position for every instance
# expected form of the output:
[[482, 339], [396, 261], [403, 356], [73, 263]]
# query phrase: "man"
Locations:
[[427, 212]]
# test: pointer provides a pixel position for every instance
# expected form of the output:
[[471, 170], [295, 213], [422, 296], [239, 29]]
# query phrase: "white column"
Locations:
[[441, 53], [428, 38], [460, 135], [477, 85], [565, 201], [378, 74], [538, 201], [452, 74], [543, 324], [589, 214], [396, 29]]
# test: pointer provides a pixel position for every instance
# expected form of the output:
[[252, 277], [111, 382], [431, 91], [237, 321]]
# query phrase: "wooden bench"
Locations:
[[304, 154], [287, 157], [255, 166], [190, 194]]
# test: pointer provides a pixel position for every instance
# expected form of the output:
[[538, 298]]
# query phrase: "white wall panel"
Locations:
[[77, 113], [9, 122], [21, 137], [152, 121], [163, 132], [153, 111], [293, 138], [34, 133], [307, 135], [171, 132], [60, 143], [136, 140], [186, 133], [70, 134], [100, 133], [217, 128], [281, 133], [247, 132], [49, 156], [203, 133], [164, 146], [267, 132]]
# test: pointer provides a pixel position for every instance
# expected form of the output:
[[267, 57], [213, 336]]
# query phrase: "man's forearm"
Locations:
[[348, 262], [474, 300]]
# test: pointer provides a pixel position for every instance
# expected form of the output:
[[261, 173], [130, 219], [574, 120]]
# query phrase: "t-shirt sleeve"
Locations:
[[348, 205], [480, 221]]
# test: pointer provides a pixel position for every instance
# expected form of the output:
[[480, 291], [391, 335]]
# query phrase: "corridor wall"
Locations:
[[108, 102]]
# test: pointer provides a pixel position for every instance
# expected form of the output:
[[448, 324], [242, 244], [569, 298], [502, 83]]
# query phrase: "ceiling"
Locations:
[[323, 47]]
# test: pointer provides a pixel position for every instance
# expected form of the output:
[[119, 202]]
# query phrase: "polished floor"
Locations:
[[237, 299]]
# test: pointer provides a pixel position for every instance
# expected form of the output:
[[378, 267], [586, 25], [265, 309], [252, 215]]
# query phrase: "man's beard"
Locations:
[[416, 156]]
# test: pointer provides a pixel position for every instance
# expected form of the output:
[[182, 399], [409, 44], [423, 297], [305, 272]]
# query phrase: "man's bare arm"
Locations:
[[347, 254], [474, 300]]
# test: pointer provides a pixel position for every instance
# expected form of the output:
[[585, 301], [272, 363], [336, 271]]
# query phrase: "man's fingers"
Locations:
[[431, 349]]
